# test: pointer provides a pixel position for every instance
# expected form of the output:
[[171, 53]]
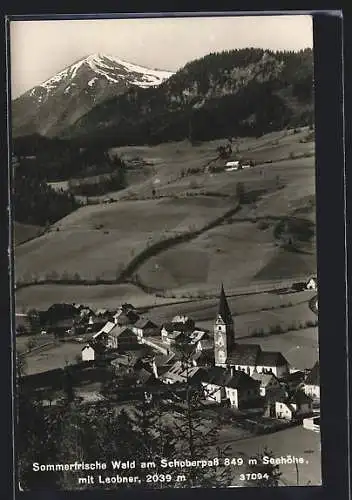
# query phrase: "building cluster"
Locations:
[[234, 374]]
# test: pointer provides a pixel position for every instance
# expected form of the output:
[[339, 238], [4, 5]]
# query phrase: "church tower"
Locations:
[[224, 335]]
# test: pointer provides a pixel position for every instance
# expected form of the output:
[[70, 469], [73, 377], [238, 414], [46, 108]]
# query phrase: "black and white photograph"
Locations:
[[164, 239]]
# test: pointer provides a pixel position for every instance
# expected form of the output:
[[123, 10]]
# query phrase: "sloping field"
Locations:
[[25, 232], [231, 253], [97, 241], [239, 252], [111, 296]]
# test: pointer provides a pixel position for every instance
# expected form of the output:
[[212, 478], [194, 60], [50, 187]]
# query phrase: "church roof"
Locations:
[[224, 310], [271, 358], [244, 354]]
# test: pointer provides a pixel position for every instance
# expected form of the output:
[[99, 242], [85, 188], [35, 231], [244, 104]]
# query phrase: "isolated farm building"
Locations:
[[244, 357], [232, 165], [236, 388], [268, 382], [312, 382], [144, 327], [312, 283]]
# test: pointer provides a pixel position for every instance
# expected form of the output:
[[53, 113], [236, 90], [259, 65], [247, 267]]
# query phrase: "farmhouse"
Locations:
[[312, 283], [228, 386], [104, 331], [244, 357], [312, 382], [297, 407], [144, 327], [122, 338], [178, 373]]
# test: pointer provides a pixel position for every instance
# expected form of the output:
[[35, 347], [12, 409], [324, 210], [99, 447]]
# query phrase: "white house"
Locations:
[[312, 423], [312, 283], [312, 382], [297, 407], [232, 165], [235, 387], [88, 353]]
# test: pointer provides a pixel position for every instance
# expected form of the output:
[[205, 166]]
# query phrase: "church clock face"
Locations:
[[221, 356]]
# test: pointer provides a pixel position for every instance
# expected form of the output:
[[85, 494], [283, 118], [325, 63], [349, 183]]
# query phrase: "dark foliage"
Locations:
[[232, 93]]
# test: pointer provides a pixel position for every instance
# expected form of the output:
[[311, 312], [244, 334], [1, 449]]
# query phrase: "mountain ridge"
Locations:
[[63, 98], [239, 92]]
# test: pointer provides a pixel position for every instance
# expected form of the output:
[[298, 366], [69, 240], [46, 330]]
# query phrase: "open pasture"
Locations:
[[25, 232], [232, 253], [97, 296], [97, 241], [55, 356]]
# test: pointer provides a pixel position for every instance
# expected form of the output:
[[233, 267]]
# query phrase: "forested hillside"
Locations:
[[233, 93]]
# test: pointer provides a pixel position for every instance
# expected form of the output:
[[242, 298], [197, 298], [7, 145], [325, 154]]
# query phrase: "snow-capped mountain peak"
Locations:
[[111, 69], [62, 99]]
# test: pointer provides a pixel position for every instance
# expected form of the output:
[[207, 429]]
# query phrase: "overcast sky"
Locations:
[[40, 49]]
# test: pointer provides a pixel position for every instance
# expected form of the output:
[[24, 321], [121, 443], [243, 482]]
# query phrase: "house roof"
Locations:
[[296, 376], [144, 323], [206, 344], [143, 376], [223, 378], [181, 319], [179, 373], [271, 358], [163, 359], [263, 378], [313, 377], [109, 325], [244, 354], [224, 310]]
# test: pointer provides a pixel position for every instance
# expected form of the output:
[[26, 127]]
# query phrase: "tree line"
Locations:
[[239, 92]]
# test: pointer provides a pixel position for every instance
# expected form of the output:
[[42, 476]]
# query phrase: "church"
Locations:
[[249, 358]]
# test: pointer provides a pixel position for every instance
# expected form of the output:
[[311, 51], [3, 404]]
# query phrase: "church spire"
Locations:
[[224, 310]]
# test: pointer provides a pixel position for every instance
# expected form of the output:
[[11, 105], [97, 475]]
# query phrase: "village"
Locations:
[[123, 356]]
